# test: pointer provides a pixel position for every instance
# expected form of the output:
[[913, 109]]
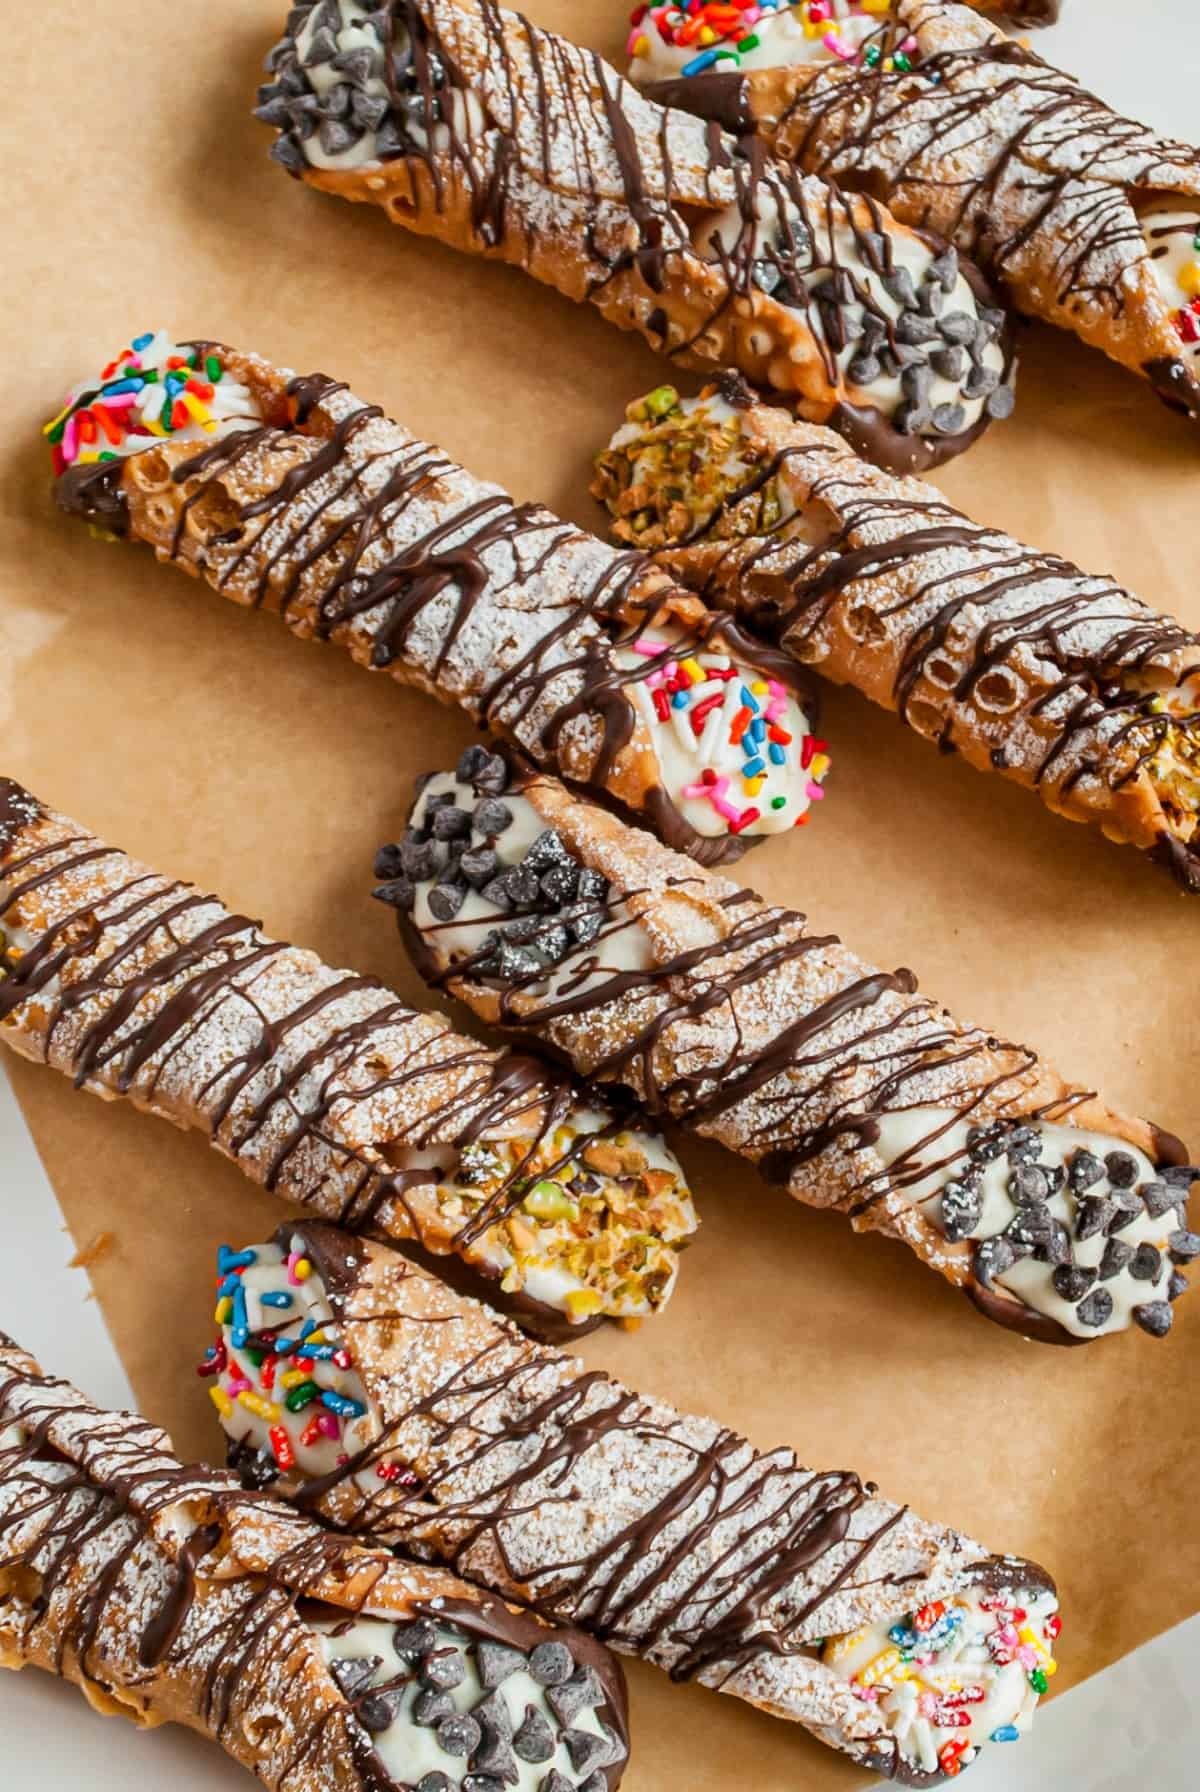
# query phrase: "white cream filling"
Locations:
[[776, 222], [923, 1170], [914, 1698], [783, 42], [467, 117], [408, 1749], [231, 407], [1172, 233]]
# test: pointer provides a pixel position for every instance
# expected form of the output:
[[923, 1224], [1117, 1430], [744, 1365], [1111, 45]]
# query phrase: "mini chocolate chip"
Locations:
[[418, 860], [515, 963], [864, 370], [913, 329], [962, 1205], [351, 1675], [297, 19], [1093, 1216], [950, 363], [443, 1670], [445, 901], [523, 884], [558, 884], [534, 1741], [1155, 1317], [1126, 1209], [1028, 1183], [292, 80], [1159, 1198], [459, 1735], [1001, 404], [583, 1688], [1122, 1169], [985, 1143], [1117, 1256], [981, 381], [432, 1707], [917, 383], [547, 850], [948, 419], [899, 286], [1176, 1285], [368, 110], [910, 419], [415, 1639], [435, 1782], [322, 47], [586, 1749], [1056, 1177], [336, 103], [400, 894], [767, 274], [390, 139], [994, 1256], [1096, 1310], [555, 1782], [274, 112], [992, 318], [354, 64], [1072, 1281], [388, 863], [494, 1756], [874, 335], [930, 300], [944, 269], [1083, 1171], [958, 327], [524, 930], [1056, 1246], [492, 816], [1032, 1223], [1180, 1176], [553, 941], [478, 865], [595, 1782], [493, 1717], [1147, 1261], [496, 892], [485, 772], [328, 17], [496, 1662], [379, 1710], [585, 925], [873, 245], [451, 823], [551, 1664], [1183, 1245], [486, 1782], [288, 153]]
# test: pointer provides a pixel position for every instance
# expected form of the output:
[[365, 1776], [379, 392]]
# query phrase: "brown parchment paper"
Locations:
[[138, 193]]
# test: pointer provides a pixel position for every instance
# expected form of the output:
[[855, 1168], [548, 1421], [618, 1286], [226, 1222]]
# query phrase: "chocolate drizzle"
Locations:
[[165, 995], [558, 125], [727, 1562]]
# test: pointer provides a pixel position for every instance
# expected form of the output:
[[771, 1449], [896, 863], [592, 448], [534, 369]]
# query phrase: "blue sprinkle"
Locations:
[[757, 729], [279, 1297], [320, 1353], [116, 387], [777, 754], [753, 768], [228, 1258], [307, 1329], [284, 1346], [241, 1325], [231, 1281], [342, 1405], [680, 700], [1006, 1733], [902, 1636], [750, 700], [141, 342], [698, 64]]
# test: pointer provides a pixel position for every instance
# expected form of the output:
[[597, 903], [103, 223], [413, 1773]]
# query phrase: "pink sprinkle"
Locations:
[[649, 650], [293, 1258], [671, 669], [814, 792], [1027, 1656], [70, 441], [775, 688], [121, 402], [239, 1385], [327, 1425]]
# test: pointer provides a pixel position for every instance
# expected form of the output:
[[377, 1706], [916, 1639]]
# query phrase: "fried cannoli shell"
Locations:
[[314, 1081], [1040, 190], [539, 1478], [168, 1594]]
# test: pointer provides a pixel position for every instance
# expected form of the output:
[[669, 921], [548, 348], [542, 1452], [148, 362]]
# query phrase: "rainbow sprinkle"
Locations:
[[155, 389], [724, 34]]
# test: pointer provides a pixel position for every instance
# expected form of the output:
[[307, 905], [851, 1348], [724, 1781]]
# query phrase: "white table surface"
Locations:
[[1133, 1728]]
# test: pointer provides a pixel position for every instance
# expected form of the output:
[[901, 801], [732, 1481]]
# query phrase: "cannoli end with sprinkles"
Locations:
[[289, 494], [323, 1087], [466, 122], [167, 1593], [1080, 216], [900, 1641], [1061, 680], [1058, 1217]]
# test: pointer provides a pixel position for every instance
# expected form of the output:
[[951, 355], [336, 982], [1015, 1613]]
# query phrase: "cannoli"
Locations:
[[168, 1594], [468, 123], [1055, 1215], [666, 1535], [290, 494], [1027, 13], [1080, 216], [1059, 679], [322, 1086]]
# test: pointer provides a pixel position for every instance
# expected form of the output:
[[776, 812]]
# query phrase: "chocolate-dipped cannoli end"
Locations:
[[18, 809], [956, 1675]]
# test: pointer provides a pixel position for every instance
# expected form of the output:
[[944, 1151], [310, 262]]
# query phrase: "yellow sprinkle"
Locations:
[[317, 1337], [291, 1378], [752, 786], [759, 687], [224, 1309], [194, 407], [87, 460], [1049, 1667], [694, 670], [641, 47], [221, 1401], [266, 1409], [302, 1269], [838, 1647], [1189, 279], [581, 1302], [877, 6], [55, 421], [819, 766], [707, 36], [888, 1665]]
